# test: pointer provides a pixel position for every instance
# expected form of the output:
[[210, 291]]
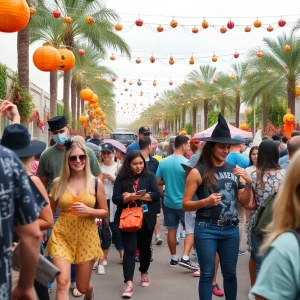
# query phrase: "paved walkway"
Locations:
[[166, 283]]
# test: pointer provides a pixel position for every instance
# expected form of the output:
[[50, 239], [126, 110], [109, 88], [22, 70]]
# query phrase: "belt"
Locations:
[[217, 222]]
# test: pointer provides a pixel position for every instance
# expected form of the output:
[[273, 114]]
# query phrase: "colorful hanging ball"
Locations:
[[80, 52], [56, 13]]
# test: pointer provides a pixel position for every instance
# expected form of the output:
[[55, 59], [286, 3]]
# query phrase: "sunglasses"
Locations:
[[74, 158]]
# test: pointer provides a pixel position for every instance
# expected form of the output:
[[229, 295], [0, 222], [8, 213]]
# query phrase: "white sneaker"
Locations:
[[101, 270], [104, 262], [95, 265]]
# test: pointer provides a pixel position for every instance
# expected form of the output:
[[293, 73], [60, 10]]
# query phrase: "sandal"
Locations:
[[85, 298], [75, 292]]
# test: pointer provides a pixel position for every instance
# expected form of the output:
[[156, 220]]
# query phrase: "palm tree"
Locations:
[[238, 81]]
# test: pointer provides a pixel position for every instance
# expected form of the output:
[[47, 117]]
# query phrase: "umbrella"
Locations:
[[118, 145]]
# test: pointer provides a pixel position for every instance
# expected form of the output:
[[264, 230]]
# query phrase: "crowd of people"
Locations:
[[70, 201]]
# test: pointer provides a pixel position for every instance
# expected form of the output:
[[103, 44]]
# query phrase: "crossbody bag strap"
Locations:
[[96, 190]]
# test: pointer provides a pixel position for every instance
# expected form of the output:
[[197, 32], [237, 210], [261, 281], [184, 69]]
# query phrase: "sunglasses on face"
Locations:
[[74, 158]]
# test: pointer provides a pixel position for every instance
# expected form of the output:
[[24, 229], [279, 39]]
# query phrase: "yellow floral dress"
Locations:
[[74, 237]]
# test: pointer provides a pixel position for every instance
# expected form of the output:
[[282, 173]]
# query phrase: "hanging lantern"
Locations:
[[126, 90], [236, 55], [270, 28], [223, 29], [86, 94], [171, 60], [205, 24], [114, 79], [259, 54], [232, 77], [141, 93], [118, 27], [257, 23], [182, 95], [198, 80], [130, 95], [152, 59], [248, 110], [230, 25], [139, 22], [67, 61], [89, 20], [281, 23], [215, 80], [214, 58], [195, 30], [138, 61], [192, 60], [80, 52], [67, 20], [160, 28], [174, 23], [170, 82], [112, 57], [130, 83], [124, 80], [184, 83], [46, 58], [287, 48], [56, 13], [154, 82], [14, 15], [247, 29], [97, 77], [139, 83]]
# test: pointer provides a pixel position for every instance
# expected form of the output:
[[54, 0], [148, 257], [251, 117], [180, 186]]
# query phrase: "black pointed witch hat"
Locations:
[[221, 134]]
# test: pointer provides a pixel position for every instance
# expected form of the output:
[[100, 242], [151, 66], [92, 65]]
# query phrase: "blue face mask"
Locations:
[[60, 138]]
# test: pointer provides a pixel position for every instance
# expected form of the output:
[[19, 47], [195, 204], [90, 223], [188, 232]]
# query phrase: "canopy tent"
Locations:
[[233, 131]]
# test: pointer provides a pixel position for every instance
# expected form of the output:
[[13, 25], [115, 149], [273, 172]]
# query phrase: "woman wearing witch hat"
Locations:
[[218, 186]]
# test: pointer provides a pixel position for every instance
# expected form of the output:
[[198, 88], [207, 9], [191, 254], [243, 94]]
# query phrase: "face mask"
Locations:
[[60, 138]]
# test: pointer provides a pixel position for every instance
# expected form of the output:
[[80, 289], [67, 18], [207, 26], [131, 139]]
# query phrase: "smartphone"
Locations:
[[141, 192]]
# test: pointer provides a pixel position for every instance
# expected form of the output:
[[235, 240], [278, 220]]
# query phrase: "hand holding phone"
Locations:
[[141, 192]]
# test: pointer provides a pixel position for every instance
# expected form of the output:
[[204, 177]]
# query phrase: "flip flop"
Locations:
[[75, 291]]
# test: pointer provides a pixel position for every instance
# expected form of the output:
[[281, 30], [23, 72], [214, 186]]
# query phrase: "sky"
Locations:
[[179, 42]]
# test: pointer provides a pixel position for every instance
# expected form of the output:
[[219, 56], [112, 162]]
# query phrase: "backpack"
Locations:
[[264, 216]]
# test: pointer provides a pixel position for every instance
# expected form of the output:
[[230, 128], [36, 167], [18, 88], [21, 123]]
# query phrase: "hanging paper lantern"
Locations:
[[124, 80], [139, 22], [247, 29], [126, 90], [215, 80], [195, 30], [80, 52], [270, 28], [118, 27], [112, 57], [230, 25], [156, 94], [223, 29], [205, 24], [192, 60], [56, 13], [86, 94], [14, 15], [182, 95], [214, 58], [236, 55], [114, 79], [171, 60], [281, 23], [232, 77], [67, 59], [67, 20], [138, 61], [154, 82], [287, 48], [257, 23], [170, 82], [46, 58], [198, 80], [152, 59], [139, 83], [259, 54], [173, 23], [160, 28], [89, 20]]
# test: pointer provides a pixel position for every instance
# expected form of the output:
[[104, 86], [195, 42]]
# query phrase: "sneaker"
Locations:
[[158, 240], [137, 258], [196, 273], [128, 292], [182, 235], [217, 291], [145, 281], [242, 251], [177, 241], [95, 265], [250, 295], [100, 270], [188, 264], [173, 263], [105, 261]]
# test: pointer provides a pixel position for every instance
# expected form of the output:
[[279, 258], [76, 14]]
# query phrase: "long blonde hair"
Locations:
[[286, 214], [65, 173]]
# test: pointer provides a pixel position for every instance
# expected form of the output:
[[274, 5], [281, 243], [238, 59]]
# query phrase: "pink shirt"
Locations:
[[34, 167]]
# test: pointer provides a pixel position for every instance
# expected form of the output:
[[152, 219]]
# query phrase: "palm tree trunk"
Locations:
[[183, 117], [67, 78], [222, 106], [264, 114], [237, 109], [79, 110], [291, 95], [194, 111], [53, 94], [23, 58], [205, 111], [73, 102]]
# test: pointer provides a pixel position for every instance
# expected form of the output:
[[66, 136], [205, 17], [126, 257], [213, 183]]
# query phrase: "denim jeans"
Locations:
[[256, 242], [210, 239], [116, 236]]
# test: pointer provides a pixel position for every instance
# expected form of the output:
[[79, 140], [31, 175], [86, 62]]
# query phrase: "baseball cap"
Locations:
[[144, 129], [239, 138], [107, 147]]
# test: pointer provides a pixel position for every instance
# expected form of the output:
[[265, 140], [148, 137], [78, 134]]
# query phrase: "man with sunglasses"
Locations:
[[143, 131], [51, 162]]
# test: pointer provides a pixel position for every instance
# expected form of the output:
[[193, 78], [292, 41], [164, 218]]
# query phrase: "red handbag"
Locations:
[[131, 218]]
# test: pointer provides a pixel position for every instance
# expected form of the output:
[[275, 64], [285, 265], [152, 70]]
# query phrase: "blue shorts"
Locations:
[[172, 217]]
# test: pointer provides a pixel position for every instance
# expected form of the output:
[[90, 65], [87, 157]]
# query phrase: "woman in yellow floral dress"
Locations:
[[75, 239]]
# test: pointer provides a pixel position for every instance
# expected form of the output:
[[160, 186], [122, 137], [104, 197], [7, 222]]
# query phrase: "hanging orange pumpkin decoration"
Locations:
[[223, 29], [94, 99], [160, 28], [67, 20], [86, 94], [232, 77], [198, 80], [98, 111], [152, 59], [257, 23], [297, 92], [247, 29], [154, 82], [67, 59], [214, 58], [171, 60], [195, 30], [14, 15], [192, 60], [112, 57], [270, 28], [174, 23], [244, 126], [288, 120], [259, 54], [287, 48], [205, 24], [138, 60], [118, 27], [46, 58], [89, 20], [183, 132], [82, 119]]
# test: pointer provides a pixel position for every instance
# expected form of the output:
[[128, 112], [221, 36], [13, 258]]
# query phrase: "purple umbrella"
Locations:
[[118, 145]]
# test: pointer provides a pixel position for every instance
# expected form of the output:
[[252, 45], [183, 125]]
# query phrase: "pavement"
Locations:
[[166, 283]]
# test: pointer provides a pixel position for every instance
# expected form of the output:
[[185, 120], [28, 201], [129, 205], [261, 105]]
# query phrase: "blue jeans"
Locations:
[[210, 239], [256, 242]]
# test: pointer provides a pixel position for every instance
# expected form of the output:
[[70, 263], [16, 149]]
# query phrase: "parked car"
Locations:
[[124, 137]]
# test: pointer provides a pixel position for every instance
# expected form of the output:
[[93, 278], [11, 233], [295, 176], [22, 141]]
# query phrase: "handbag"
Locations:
[[131, 218], [46, 271]]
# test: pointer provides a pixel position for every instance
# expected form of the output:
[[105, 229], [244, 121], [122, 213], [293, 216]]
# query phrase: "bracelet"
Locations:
[[248, 186]]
